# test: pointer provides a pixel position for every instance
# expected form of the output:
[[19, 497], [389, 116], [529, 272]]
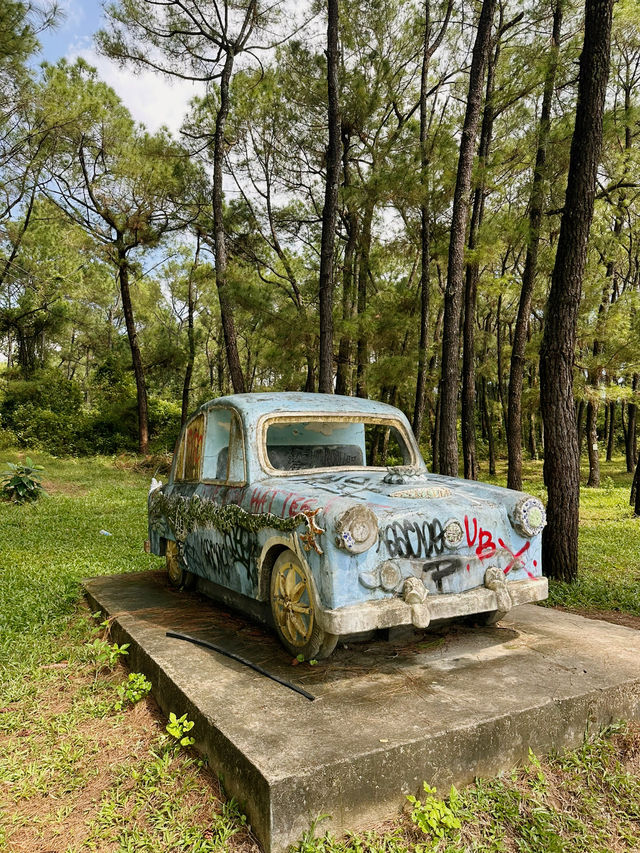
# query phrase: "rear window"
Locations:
[[297, 445]]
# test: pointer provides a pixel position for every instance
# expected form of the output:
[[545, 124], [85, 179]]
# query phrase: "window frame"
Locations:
[[235, 417], [381, 419]]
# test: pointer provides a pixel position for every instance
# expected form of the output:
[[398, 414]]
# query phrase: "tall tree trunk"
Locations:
[[486, 417], [436, 438], [191, 338], [136, 358], [471, 282], [226, 309], [611, 430], [343, 374], [330, 210], [580, 425], [561, 460], [533, 447], [455, 268], [428, 49], [363, 276], [592, 444], [635, 491], [536, 202], [630, 434], [425, 237]]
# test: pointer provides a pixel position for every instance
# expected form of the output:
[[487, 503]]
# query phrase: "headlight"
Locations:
[[529, 516], [452, 533], [357, 529], [390, 575]]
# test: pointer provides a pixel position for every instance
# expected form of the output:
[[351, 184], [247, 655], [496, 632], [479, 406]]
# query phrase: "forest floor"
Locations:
[[78, 774]]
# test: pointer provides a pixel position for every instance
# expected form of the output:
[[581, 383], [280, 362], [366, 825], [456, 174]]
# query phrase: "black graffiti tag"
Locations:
[[235, 547], [413, 538]]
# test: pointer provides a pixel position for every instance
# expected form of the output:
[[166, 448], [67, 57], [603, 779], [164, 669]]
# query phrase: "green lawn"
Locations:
[[76, 774]]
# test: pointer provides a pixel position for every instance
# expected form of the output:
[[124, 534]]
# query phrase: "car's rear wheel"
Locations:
[[179, 576], [294, 612]]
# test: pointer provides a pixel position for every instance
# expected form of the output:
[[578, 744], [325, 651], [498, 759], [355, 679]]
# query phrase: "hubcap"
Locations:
[[173, 564], [292, 604]]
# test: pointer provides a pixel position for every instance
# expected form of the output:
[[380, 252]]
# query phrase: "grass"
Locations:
[[75, 774], [609, 541]]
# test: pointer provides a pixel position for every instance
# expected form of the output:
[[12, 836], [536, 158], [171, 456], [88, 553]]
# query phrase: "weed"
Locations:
[[105, 655], [434, 816], [135, 688], [178, 727]]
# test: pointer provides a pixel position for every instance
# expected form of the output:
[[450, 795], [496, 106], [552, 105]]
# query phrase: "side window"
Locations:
[[224, 448], [190, 452]]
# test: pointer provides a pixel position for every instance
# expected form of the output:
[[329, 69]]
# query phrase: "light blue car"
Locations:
[[317, 513]]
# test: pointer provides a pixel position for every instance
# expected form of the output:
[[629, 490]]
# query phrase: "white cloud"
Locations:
[[151, 98]]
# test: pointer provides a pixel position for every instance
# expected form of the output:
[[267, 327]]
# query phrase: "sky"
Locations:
[[151, 99]]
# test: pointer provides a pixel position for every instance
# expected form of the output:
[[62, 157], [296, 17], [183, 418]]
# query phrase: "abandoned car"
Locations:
[[318, 513]]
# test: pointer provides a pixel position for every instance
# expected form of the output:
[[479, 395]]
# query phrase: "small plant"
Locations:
[[178, 727], [301, 659], [135, 688], [21, 483], [434, 816], [105, 655]]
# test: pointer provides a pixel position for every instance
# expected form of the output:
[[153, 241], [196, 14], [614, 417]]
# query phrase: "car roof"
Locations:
[[280, 402]]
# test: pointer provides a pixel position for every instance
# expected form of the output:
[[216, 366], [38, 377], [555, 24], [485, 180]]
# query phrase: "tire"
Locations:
[[179, 576], [293, 610]]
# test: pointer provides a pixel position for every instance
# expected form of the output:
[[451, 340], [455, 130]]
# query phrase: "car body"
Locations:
[[272, 507]]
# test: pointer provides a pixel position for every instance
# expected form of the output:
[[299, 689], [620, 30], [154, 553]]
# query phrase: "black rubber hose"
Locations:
[[248, 663]]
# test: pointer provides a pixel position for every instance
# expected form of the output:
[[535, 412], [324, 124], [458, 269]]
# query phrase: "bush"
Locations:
[[48, 412], [164, 424], [45, 411], [21, 483]]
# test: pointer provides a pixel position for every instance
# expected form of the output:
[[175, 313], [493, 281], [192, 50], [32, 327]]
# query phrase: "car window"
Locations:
[[189, 461], [323, 443], [224, 447]]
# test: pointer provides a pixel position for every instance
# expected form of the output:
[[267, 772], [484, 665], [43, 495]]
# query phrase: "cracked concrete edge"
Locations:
[[360, 797]]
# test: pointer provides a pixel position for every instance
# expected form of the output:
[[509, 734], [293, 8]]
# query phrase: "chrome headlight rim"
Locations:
[[357, 529], [530, 517]]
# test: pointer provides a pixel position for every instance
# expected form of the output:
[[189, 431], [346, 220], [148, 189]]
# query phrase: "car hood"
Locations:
[[426, 493]]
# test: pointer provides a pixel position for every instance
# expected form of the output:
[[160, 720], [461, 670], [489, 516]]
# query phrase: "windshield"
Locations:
[[303, 443]]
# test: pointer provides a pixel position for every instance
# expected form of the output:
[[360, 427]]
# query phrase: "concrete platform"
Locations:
[[442, 707]]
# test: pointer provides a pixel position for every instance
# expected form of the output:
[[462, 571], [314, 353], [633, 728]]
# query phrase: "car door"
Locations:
[[217, 547]]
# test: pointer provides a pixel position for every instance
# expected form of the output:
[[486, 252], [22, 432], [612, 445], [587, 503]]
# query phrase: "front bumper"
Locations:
[[387, 613]]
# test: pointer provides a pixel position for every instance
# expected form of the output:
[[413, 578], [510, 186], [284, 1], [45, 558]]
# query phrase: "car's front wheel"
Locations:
[[179, 576], [293, 610]]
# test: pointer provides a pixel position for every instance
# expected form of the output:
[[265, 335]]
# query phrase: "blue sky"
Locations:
[[80, 20], [152, 100]]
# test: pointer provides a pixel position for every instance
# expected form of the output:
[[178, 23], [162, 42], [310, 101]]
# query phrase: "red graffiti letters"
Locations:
[[486, 546]]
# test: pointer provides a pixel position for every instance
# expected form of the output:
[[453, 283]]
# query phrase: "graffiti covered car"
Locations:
[[317, 513]]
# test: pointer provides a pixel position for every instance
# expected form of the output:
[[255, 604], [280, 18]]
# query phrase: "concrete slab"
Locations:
[[442, 707]]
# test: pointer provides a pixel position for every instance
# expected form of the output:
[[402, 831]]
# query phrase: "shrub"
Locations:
[[21, 483]]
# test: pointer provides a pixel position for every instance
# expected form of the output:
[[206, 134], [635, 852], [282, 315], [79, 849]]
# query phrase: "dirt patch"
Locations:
[[75, 778], [52, 487], [626, 619], [156, 464]]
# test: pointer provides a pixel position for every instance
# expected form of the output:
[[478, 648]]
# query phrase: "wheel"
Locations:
[[294, 612], [179, 576]]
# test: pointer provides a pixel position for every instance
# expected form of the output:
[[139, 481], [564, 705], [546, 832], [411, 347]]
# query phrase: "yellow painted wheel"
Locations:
[[179, 576], [293, 609]]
